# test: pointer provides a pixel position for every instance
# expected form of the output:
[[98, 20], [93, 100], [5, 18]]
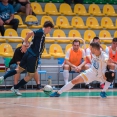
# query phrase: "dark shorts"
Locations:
[[29, 62]]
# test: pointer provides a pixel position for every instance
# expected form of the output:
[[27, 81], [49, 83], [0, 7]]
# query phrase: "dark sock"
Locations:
[[10, 73], [14, 85], [21, 83]]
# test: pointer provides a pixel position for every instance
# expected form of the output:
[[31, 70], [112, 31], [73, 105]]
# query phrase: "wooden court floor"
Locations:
[[76, 103]]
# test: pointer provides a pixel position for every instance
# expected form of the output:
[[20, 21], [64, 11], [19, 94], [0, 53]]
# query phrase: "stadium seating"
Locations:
[[21, 24], [56, 51], [89, 35], [10, 33], [6, 50], [92, 23], [60, 33], [109, 10], [65, 9], [49, 40], [51, 9], [67, 47], [80, 10], [74, 33], [62, 22], [32, 21], [95, 10], [36, 7], [24, 33], [45, 55], [107, 23], [78, 22], [105, 34], [47, 18]]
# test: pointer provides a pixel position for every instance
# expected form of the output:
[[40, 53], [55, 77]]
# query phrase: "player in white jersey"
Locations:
[[96, 72]]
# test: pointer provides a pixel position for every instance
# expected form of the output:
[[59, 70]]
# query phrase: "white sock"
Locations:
[[66, 76], [66, 87], [106, 86], [112, 70]]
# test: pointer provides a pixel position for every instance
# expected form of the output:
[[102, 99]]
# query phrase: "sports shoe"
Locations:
[[39, 86], [16, 91], [111, 86], [103, 94], [55, 94], [101, 86], [1, 79]]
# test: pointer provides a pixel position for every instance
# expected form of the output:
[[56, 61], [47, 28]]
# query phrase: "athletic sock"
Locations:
[[67, 87], [106, 86], [10, 73], [66, 76], [21, 83]]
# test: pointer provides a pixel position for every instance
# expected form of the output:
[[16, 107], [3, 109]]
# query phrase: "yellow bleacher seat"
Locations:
[[51, 9], [80, 10], [24, 33], [66, 9], [49, 40], [105, 34], [103, 46], [94, 9], [21, 24], [45, 55], [47, 18], [19, 45], [85, 46], [74, 33], [11, 33], [2, 40], [77, 22], [92, 23], [6, 50], [67, 47], [62, 22], [107, 23], [56, 51], [36, 7], [109, 10], [89, 35], [31, 18], [115, 34], [60, 33]]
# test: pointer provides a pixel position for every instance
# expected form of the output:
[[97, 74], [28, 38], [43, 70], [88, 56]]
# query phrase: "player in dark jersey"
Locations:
[[31, 57]]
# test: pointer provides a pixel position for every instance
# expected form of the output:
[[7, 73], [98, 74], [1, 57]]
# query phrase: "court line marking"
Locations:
[[53, 109]]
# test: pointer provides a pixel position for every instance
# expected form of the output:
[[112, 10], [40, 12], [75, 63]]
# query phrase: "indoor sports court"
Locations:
[[82, 20], [76, 103]]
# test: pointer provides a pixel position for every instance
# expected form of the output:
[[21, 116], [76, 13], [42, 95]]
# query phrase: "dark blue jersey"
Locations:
[[38, 43]]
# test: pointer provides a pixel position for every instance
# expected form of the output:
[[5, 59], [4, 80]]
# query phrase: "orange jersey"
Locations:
[[75, 57], [112, 56]]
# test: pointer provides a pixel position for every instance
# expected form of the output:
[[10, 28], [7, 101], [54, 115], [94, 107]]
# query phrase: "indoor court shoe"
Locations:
[[103, 94], [55, 94], [1, 79], [16, 91]]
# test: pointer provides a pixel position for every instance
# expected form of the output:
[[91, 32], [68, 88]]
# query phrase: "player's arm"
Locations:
[[88, 54]]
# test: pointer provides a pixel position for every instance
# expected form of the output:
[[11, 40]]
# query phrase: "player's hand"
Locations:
[[23, 49], [1, 22], [78, 69], [110, 60], [7, 21]]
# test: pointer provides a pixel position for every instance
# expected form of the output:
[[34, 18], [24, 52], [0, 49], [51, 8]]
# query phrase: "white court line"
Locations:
[[53, 109]]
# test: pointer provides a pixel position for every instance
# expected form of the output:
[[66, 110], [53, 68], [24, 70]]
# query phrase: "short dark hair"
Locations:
[[114, 39], [95, 45], [95, 38], [76, 40], [48, 24]]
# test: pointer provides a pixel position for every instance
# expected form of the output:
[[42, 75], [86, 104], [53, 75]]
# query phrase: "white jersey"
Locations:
[[99, 64]]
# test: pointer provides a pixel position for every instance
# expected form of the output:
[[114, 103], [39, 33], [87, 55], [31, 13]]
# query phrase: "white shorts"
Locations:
[[89, 76]]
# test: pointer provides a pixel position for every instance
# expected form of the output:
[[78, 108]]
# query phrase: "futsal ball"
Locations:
[[48, 89]]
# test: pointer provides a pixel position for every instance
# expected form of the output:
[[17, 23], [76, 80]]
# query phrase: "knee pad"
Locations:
[[110, 75]]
